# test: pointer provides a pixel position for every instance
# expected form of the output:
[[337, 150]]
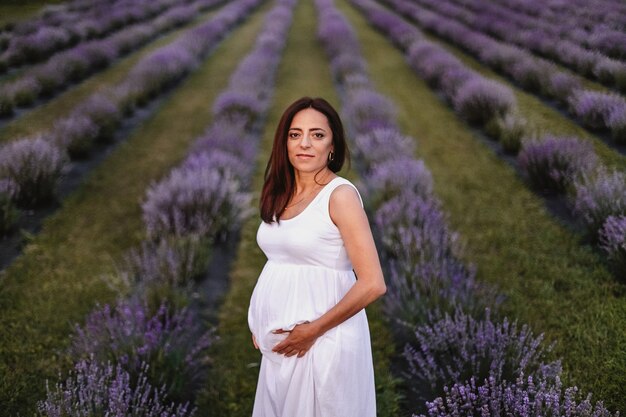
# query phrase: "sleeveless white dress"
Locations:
[[306, 274]]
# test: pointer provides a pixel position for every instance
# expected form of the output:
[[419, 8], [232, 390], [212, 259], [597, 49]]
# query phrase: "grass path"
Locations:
[[553, 283], [55, 282], [41, 118], [230, 392]]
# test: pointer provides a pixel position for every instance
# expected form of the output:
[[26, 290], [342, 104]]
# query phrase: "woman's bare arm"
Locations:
[[351, 220]]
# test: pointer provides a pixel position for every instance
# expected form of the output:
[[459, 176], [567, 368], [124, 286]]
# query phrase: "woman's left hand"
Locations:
[[299, 340]]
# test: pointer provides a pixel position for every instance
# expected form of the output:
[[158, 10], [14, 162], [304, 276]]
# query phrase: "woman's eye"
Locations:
[[319, 135], [293, 135]]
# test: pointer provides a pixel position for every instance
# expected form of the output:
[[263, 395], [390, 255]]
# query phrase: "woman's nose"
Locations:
[[305, 142]]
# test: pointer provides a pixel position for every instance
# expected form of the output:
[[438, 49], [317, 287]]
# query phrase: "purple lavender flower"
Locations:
[[162, 269], [231, 103], [595, 107], [228, 134], [607, 70], [403, 175], [553, 163], [425, 274], [383, 144], [452, 78], [480, 99], [455, 349], [617, 124], [530, 74], [430, 61], [526, 397], [35, 166], [612, 238], [561, 86], [76, 134], [24, 91], [224, 162], [203, 202], [171, 341], [597, 197], [510, 131], [103, 112], [368, 110], [103, 389], [49, 79]]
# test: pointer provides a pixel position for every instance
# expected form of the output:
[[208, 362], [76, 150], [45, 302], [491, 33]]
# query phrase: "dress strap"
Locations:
[[330, 187]]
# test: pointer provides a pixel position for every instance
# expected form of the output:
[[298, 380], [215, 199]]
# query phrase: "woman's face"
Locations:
[[309, 140]]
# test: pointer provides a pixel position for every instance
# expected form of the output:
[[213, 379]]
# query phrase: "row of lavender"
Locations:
[[603, 13], [597, 110], [553, 165], [152, 337], [460, 361], [58, 15], [589, 54], [72, 28], [30, 168], [87, 58]]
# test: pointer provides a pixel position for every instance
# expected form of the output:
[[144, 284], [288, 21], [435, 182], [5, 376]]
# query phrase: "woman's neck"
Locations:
[[306, 181]]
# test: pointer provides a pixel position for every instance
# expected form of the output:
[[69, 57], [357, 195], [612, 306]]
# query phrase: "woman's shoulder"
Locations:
[[343, 190]]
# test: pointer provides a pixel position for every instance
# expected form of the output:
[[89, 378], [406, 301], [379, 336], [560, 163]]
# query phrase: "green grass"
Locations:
[[16, 10], [230, 392], [55, 283], [552, 281], [42, 118]]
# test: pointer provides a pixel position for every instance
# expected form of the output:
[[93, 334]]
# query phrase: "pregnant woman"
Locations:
[[307, 312]]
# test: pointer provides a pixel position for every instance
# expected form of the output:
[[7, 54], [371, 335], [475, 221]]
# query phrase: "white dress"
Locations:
[[306, 274]]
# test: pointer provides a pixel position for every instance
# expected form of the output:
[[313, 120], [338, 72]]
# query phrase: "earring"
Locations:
[[331, 156]]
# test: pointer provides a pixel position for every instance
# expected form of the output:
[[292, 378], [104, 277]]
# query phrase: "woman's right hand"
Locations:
[[256, 346]]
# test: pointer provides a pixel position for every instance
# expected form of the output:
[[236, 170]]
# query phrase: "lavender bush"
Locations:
[[162, 270], [369, 110], [553, 163], [612, 237], [76, 134], [201, 201], [94, 389], [595, 108], [233, 103], [404, 175], [172, 342], [479, 99], [458, 348], [425, 274], [35, 166], [526, 397], [24, 91], [598, 196], [382, 144], [510, 130], [103, 112], [617, 124]]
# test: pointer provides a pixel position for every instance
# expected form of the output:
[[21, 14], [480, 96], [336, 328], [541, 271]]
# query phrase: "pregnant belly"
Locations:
[[286, 295]]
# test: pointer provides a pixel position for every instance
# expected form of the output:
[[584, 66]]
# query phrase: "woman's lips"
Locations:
[[304, 156]]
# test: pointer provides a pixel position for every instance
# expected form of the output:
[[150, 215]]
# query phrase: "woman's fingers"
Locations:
[[256, 346]]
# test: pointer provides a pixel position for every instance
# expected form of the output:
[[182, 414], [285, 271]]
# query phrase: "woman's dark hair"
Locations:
[[280, 182]]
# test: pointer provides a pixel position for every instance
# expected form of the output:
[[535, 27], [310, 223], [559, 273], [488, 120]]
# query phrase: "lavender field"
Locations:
[[488, 140]]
